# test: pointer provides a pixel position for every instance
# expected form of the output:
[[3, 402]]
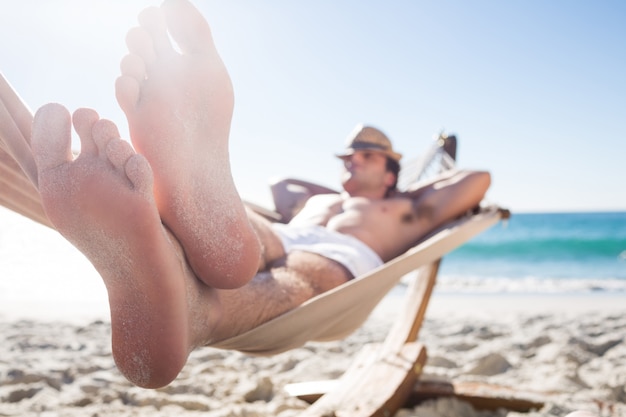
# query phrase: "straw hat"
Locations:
[[371, 139]]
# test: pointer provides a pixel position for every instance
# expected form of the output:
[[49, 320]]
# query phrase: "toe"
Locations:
[[139, 42], [51, 137], [103, 132], [127, 93], [118, 152], [133, 66], [128, 85], [187, 26], [83, 120], [140, 174], [153, 21]]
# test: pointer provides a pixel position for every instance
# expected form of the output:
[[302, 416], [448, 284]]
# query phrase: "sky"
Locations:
[[534, 90]]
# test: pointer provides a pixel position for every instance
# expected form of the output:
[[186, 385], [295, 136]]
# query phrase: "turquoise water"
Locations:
[[542, 252]]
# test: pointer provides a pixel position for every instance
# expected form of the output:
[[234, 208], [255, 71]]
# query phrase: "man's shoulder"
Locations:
[[326, 198], [324, 202]]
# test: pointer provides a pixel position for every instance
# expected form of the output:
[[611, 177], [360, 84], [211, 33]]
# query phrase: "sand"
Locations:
[[55, 353], [570, 353]]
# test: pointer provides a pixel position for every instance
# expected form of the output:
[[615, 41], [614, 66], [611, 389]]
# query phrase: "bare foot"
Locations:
[[179, 108], [102, 203]]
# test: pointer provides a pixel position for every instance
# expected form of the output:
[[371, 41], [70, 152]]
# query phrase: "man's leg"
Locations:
[[179, 108], [286, 284]]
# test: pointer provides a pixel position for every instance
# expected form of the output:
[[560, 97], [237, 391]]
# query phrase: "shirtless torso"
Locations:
[[388, 226]]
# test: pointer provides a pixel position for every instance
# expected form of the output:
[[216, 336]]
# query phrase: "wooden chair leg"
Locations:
[[382, 377]]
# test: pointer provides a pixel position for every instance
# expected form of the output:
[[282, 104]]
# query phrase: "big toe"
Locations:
[[51, 137], [187, 26]]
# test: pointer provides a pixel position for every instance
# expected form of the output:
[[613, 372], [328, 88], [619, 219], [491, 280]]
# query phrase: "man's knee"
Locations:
[[321, 273]]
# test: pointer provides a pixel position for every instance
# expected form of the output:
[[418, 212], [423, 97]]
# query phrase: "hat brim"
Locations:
[[350, 151]]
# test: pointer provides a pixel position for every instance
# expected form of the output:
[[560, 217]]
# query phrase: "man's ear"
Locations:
[[390, 178]]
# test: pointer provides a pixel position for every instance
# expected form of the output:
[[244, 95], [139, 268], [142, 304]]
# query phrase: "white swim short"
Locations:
[[350, 252]]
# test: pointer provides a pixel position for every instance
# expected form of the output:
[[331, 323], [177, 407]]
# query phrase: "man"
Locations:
[[184, 263], [369, 179]]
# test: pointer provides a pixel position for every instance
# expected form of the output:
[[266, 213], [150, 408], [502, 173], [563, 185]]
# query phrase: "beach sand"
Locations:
[[55, 353], [571, 354]]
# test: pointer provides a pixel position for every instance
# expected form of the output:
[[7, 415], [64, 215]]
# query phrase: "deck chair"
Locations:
[[382, 378], [18, 173], [329, 316], [399, 360]]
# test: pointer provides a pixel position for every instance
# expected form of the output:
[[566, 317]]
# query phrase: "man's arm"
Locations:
[[417, 188], [449, 196], [290, 195]]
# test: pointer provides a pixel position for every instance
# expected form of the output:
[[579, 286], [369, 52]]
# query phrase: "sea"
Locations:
[[42, 275], [542, 253]]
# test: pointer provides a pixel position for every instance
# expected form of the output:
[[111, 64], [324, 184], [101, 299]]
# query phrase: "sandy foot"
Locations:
[[102, 202], [179, 108]]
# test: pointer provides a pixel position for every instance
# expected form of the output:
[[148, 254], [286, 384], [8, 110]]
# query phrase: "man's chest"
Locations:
[[394, 208]]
